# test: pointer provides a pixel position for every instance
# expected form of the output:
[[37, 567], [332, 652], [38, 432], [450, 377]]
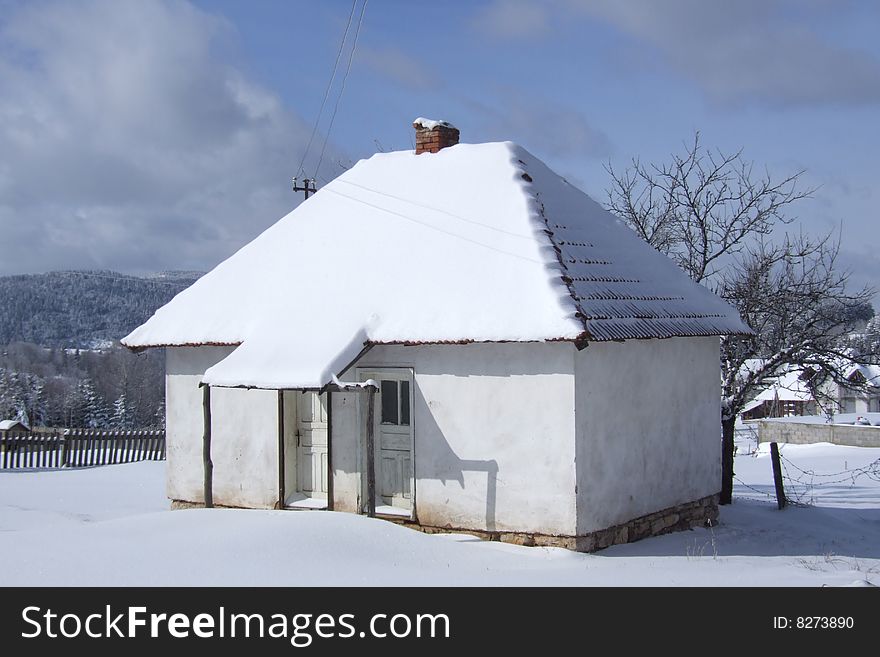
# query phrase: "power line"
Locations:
[[329, 86], [433, 227], [342, 86], [440, 211]]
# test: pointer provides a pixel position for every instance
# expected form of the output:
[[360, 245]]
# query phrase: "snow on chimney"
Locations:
[[431, 136]]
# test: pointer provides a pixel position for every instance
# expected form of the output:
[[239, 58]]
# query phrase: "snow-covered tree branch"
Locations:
[[725, 226]]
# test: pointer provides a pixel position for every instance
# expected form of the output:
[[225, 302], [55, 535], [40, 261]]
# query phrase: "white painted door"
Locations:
[[311, 450], [393, 433]]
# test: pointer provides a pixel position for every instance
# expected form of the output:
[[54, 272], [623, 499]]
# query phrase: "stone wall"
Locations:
[[699, 513], [801, 433]]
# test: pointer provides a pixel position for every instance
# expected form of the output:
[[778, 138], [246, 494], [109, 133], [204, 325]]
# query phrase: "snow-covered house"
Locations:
[[13, 426], [790, 394], [785, 395], [10, 428], [864, 395], [541, 374]]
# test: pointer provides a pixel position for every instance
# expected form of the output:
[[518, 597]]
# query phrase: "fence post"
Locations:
[[777, 475], [76, 448]]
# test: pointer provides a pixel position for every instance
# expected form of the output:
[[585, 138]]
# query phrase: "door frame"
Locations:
[[284, 452], [362, 373]]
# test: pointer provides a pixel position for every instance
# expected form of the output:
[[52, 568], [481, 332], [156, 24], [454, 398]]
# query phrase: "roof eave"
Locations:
[[137, 348]]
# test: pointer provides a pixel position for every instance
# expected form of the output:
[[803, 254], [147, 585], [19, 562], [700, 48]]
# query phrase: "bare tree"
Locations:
[[716, 218], [702, 207], [796, 298]]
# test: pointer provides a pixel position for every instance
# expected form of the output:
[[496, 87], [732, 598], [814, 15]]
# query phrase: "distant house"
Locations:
[[789, 394], [856, 399], [13, 426], [786, 395], [517, 361]]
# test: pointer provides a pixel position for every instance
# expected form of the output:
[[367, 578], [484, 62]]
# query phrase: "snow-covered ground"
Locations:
[[111, 525]]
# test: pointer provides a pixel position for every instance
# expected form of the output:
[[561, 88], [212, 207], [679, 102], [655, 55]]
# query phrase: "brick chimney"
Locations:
[[431, 136]]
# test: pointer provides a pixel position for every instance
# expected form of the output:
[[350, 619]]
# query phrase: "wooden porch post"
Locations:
[[281, 492], [371, 460], [206, 447], [329, 450]]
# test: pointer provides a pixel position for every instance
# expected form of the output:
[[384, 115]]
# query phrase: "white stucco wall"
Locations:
[[508, 437], [648, 427], [244, 437], [347, 440], [494, 435]]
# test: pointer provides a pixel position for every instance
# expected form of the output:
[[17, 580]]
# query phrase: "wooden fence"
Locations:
[[77, 448]]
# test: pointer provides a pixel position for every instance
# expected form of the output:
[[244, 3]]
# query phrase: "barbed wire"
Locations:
[[801, 484], [872, 471], [792, 494], [752, 488]]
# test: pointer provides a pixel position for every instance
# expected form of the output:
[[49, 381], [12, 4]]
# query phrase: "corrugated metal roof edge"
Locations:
[[623, 333], [563, 268], [582, 339], [163, 345]]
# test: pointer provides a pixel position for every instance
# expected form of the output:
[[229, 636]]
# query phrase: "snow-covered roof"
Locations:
[[6, 425], [870, 372], [752, 405], [750, 366], [787, 387], [478, 242]]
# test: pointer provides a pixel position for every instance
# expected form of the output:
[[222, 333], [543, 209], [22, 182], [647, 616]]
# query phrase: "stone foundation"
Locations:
[[177, 505], [699, 513]]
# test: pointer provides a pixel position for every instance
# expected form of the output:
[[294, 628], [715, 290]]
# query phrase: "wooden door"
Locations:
[[394, 438], [311, 451]]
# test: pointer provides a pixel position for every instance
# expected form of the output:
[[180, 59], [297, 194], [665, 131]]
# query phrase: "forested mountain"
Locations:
[[110, 388], [60, 361], [82, 309]]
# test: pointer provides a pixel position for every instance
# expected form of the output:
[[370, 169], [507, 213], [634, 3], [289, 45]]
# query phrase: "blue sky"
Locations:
[[161, 135]]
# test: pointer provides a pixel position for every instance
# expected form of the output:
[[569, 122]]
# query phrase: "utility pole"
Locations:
[[308, 186]]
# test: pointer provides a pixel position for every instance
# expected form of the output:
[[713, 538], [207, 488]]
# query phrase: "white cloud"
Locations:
[[513, 19], [775, 52], [547, 129], [399, 66], [131, 139]]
